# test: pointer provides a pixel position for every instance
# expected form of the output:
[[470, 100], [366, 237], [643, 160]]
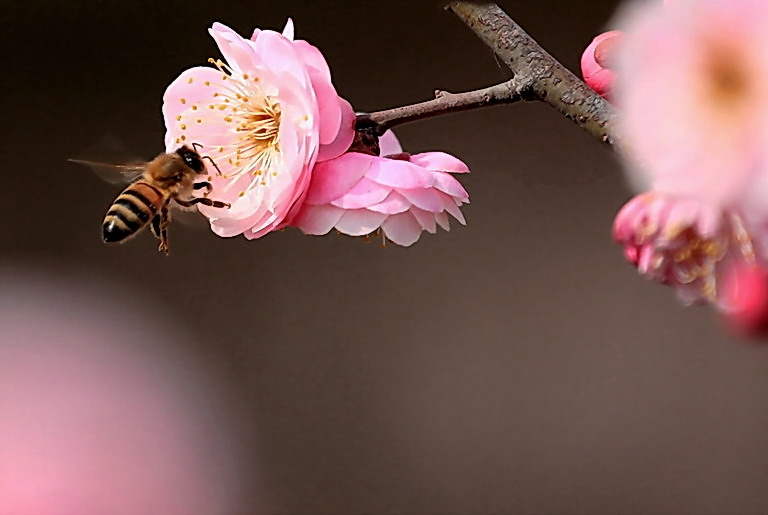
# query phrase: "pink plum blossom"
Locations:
[[686, 244], [401, 194], [692, 92], [596, 62], [265, 115]]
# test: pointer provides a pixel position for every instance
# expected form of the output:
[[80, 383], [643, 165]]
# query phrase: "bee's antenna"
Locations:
[[195, 145], [209, 158]]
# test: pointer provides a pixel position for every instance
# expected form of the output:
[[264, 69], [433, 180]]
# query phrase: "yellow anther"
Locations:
[[228, 119], [222, 107], [183, 100], [207, 83], [183, 137], [245, 76], [189, 80], [199, 120], [178, 118], [183, 127], [194, 107], [241, 194], [215, 95]]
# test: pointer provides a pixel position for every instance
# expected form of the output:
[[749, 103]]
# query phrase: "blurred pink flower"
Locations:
[[596, 62], [401, 194], [685, 244], [265, 116], [693, 93]]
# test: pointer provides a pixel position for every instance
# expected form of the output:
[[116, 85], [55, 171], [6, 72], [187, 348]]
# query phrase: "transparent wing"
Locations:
[[115, 173]]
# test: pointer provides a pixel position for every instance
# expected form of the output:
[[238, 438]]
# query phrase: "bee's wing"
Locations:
[[114, 173]]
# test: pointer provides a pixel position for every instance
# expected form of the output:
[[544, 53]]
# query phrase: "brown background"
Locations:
[[517, 365]]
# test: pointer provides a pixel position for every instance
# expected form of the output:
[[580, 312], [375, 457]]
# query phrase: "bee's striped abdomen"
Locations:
[[131, 210]]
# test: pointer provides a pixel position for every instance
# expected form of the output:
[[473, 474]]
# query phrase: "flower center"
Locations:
[[728, 80], [255, 118], [696, 259]]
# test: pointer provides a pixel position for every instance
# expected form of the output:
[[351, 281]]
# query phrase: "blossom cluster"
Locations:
[[270, 118], [689, 79]]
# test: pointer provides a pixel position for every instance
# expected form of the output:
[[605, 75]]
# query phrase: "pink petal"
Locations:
[[288, 30], [363, 194], [393, 204], [439, 161], [425, 219], [427, 199], [313, 57], [442, 220], [359, 222], [399, 174], [344, 136], [237, 52], [388, 144], [448, 184], [452, 208], [332, 179], [402, 229], [317, 220]]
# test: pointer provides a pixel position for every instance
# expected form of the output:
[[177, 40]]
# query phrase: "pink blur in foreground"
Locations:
[[403, 194], [692, 94], [99, 416], [265, 115]]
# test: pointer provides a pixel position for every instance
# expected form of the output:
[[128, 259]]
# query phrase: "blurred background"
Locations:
[[516, 365]]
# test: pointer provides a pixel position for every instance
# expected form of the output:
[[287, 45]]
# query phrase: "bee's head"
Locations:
[[191, 159]]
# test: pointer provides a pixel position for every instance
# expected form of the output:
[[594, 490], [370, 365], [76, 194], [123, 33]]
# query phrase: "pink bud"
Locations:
[[596, 62]]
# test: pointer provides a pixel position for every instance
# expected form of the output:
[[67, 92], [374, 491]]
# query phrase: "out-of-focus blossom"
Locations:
[[265, 115], [101, 412], [686, 244], [692, 91], [746, 292], [399, 193], [596, 62]]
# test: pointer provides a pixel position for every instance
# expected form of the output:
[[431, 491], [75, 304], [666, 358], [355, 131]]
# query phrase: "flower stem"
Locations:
[[536, 76]]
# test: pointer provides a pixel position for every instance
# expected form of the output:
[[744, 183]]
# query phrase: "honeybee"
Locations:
[[168, 177]]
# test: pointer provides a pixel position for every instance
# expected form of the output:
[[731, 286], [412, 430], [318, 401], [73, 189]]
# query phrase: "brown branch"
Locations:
[[536, 76], [551, 82], [443, 103]]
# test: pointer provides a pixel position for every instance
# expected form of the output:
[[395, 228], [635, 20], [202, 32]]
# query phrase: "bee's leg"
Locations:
[[200, 185], [155, 226], [202, 200], [160, 228]]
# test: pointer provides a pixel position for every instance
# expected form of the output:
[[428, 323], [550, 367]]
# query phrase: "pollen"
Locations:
[[189, 80], [228, 119], [245, 76], [178, 118], [183, 127], [241, 194], [207, 83], [183, 137], [199, 120], [222, 107], [194, 107], [183, 100]]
